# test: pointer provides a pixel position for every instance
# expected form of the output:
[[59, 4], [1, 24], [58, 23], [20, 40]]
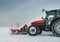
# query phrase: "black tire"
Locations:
[[36, 32], [39, 30], [55, 28]]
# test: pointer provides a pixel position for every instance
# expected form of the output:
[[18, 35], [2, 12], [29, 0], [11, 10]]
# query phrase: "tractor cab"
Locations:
[[50, 15]]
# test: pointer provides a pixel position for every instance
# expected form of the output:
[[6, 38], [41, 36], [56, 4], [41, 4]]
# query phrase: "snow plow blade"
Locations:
[[23, 30]]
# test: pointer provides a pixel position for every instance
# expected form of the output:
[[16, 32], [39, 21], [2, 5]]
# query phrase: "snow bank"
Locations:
[[44, 37]]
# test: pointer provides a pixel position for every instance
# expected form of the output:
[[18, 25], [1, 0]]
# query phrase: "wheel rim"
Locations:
[[32, 30], [57, 27]]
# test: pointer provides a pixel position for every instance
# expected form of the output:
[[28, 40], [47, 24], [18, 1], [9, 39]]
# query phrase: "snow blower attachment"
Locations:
[[23, 30]]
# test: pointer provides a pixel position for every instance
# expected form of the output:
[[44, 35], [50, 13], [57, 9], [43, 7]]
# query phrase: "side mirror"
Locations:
[[42, 10]]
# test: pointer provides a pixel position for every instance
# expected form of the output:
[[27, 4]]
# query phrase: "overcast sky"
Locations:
[[24, 11]]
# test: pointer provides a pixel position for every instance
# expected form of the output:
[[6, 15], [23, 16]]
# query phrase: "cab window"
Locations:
[[58, 13]]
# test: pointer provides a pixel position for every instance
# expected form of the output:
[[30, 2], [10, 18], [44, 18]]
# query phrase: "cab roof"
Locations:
[[54, 10]]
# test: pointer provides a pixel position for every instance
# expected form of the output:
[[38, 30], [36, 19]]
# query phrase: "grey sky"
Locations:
[[24, 11]]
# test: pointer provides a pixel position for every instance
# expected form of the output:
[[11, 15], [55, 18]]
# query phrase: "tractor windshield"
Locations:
[[49, 17]]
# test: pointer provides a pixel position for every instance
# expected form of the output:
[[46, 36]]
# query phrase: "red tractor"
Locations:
[[50, 23]]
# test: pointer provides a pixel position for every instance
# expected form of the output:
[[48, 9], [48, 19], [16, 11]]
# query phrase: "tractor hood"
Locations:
[[38, 22]]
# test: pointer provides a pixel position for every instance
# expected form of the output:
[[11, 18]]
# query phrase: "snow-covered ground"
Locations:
[[44, 37]]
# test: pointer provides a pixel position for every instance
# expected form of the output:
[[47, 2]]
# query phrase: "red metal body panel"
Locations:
[[18, 31], [39, 22], [23, 30]]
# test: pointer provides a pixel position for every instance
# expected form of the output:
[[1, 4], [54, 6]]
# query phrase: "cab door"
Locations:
[[49, 17]]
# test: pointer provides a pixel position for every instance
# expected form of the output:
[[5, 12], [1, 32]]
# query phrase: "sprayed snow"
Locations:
[[44, 37]]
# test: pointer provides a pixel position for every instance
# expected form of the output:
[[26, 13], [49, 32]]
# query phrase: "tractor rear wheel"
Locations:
[[56, 28]]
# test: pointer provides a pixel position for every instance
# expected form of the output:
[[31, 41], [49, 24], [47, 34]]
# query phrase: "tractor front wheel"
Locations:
[[34, 30]]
